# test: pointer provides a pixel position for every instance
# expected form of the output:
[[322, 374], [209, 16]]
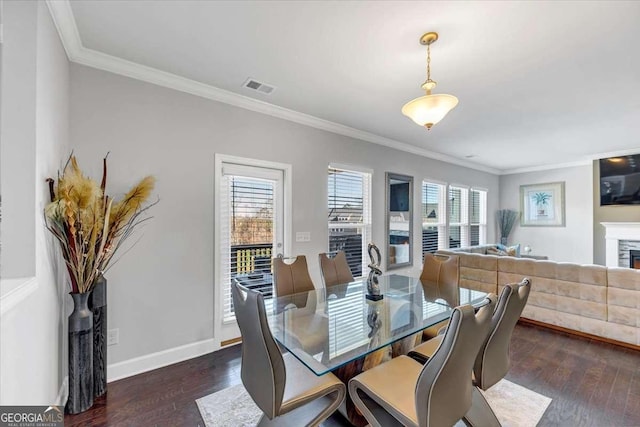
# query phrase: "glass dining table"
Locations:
[[327, 329]]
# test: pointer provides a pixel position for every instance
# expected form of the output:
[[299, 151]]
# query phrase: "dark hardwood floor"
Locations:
[[591, 384]]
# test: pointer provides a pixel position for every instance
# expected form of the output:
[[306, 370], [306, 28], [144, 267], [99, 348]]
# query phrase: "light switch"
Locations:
[[303, 236]]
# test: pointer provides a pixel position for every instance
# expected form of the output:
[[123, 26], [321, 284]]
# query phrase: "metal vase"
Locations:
[[80, 355], [98, 304]]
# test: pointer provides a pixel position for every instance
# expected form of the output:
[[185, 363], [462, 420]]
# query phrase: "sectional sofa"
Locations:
[[591, 299]]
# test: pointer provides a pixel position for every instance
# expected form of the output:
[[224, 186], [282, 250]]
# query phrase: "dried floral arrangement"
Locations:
[[89, 224], [506, 219]]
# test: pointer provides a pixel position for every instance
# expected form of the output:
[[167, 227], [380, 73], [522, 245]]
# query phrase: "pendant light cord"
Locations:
[[429, 62]]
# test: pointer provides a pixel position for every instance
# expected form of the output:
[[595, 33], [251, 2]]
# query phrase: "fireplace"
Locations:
[[621, 238], [634, 259]]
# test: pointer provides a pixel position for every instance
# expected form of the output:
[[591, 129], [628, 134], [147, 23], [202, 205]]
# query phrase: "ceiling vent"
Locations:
[[258, 86]]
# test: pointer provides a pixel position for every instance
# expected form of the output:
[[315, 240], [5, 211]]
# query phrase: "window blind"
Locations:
[[347, 327], [478, 217], [247, 212], [433, 217], [458, 217], [349, 215]]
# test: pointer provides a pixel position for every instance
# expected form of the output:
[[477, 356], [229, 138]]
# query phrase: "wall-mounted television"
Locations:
[[399, 197], [620, 180]]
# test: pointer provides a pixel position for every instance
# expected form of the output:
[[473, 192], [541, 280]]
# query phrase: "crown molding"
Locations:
[[65, 23], [615, 153], [583, 162]]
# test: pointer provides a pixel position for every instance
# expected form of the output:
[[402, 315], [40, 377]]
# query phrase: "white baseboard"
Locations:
[[160, 359], [63, 393]]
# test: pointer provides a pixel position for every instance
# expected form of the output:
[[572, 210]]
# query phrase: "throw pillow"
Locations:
[[495, 251], [510, 250]]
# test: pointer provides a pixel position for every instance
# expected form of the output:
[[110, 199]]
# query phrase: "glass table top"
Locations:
[[327, 329]]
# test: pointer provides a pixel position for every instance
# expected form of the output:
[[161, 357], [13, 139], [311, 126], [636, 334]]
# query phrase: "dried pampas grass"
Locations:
[[89, 226]]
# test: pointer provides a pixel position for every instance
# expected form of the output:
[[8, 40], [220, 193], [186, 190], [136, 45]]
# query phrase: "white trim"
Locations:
[[62, 15], [152, 361], [614, 232], [14, 291], [287, 171], [547, 167], [463, 186], [434, 181], [63, 393], [615, 153], [350, 168]]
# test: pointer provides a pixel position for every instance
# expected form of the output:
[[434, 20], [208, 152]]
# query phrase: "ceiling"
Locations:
[[539, 83]]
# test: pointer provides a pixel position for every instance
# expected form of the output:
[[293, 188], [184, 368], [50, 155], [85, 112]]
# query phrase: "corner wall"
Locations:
[[33, 332], [572, 243]]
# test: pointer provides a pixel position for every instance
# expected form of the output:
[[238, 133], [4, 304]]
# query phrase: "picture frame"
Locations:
[[542, 205]]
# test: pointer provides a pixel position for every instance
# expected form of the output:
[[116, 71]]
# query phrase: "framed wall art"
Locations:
[[542, 205]]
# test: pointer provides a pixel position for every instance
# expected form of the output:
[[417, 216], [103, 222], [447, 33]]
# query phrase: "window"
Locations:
[[250, 227], [458, 217], [434, 217], [349, 215], [452, 216], [478, 217]]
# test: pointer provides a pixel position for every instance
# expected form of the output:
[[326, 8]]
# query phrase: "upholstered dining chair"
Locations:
[[492, 362], [335, 270], [440, 276], [309, 328], [287, 392], [438, 393], [293, 278]]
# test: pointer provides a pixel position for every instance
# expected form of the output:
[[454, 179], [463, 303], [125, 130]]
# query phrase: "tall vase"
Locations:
[[80, 355], [98, 304]]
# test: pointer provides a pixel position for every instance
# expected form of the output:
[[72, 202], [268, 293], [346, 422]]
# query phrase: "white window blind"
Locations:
[[434, 217], [458, 217], [247, 212], [349, 215], [348, 328], [478, 217]]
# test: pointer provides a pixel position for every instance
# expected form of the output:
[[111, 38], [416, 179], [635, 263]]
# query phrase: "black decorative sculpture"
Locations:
[[373, 287]]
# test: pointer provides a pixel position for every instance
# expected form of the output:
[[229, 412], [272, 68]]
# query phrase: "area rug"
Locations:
[[515, 406]]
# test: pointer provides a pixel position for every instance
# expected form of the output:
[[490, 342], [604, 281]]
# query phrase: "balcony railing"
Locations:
[[251, 266]]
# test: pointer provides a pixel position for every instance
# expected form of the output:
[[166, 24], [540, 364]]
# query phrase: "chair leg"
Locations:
[[311, 414], [480, 414], [375, 414]]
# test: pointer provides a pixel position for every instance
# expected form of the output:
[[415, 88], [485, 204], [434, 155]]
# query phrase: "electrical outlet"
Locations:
[[113, 336], [303, 236]]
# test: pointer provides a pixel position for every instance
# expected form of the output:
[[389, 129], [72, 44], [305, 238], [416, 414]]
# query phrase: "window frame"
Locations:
[[363, 227], [464, 215], [444, 227], [483, 213], [441, 225]]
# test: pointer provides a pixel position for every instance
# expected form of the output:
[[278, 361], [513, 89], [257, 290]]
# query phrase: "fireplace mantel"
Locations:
[[616, 231]]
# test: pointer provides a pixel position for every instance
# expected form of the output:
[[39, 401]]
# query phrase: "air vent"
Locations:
[[259, 86]]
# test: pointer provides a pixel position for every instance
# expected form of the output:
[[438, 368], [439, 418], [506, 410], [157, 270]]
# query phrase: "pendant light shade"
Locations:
[[429, 109]]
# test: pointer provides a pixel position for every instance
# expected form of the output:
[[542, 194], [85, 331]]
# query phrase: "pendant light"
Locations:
[[429, 109]]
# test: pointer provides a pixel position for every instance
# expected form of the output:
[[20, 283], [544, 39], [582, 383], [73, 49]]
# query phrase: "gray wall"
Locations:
[[573, 243], [606, 214], [33, 337], [161, 294], [18, 135]]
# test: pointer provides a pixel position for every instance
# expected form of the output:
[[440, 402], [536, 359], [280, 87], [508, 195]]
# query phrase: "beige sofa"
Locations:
[[587, 298]]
